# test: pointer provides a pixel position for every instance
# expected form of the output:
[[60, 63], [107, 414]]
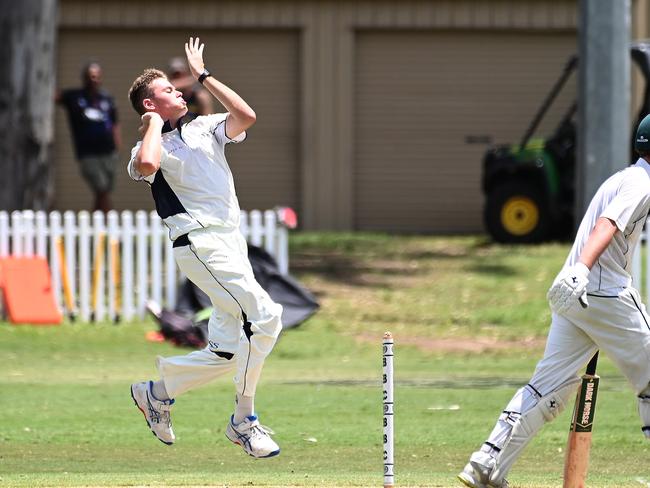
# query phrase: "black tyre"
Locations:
[[517, 212]]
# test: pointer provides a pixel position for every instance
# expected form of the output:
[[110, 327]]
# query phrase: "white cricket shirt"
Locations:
[[194, 187], [623, 198]]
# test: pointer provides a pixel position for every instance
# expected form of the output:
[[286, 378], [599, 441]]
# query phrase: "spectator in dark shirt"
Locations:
[[95, 132]]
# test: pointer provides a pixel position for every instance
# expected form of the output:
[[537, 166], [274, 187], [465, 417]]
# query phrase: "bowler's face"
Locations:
[[166, 100]]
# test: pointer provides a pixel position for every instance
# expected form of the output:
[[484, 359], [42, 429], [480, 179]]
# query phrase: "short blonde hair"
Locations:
[[141, 88]]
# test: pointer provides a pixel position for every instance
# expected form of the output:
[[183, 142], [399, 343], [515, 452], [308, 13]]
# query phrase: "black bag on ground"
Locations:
[[179, 326], [181, 330], [298, 303]]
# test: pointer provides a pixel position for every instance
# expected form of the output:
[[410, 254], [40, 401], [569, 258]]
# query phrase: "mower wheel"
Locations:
[[516, 212]]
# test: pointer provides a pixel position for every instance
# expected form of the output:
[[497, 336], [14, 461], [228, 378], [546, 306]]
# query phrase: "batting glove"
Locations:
[[568, 288]]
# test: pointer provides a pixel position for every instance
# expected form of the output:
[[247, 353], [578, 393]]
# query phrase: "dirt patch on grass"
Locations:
[[477, 345]]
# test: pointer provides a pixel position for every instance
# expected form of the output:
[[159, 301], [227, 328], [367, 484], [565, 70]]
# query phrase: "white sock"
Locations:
[[244, 407], [159, 391]]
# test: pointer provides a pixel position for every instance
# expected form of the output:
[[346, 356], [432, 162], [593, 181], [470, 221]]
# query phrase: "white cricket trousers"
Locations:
[[244, 325], [615, 323]]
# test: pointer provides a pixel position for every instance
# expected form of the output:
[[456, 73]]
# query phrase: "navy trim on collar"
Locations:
[[185, 119]]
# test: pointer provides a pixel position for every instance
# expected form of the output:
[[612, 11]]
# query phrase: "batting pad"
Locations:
[[27, 291]]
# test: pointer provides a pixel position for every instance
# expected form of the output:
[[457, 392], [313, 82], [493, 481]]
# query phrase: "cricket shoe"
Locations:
[[476, 473], [156, 412], [253, 437]]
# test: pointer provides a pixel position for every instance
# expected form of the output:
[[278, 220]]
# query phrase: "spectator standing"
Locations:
[[198, 99], [95, 133]]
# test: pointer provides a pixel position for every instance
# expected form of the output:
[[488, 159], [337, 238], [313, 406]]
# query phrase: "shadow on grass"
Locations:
[[377, 266], [355, 272], [492, 269], [383, 261]]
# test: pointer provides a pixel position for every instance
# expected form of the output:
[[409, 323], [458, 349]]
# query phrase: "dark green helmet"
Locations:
[[642, 139]]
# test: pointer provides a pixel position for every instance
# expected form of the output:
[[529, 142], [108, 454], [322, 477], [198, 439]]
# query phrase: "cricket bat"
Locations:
[[576, 462]]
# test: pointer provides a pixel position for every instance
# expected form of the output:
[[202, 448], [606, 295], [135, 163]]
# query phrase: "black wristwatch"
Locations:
[[204, 75]]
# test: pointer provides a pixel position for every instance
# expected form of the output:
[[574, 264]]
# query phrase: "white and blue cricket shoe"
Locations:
[[476, 473], [156, 412], [252, 437]]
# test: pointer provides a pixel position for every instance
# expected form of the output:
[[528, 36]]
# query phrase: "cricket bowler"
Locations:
[[182, 158]]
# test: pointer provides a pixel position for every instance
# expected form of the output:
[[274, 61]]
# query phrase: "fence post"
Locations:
[[99, 265], [127, 265], [155, 227], [141, 257], [113, 261], [256, 228], [70, 241], [16, 233], [283, 249], [84, 265], [55, 268], [270, 226], [4, 234], [41, 234], [28, 233]]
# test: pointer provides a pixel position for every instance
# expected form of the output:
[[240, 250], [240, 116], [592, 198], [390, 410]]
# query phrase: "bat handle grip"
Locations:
[[583, 301], [591, 367]]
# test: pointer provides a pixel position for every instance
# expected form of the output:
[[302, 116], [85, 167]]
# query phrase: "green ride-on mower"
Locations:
[[530, 187]]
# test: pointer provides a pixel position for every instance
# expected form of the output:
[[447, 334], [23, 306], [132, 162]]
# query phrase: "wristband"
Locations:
[[203, 76]]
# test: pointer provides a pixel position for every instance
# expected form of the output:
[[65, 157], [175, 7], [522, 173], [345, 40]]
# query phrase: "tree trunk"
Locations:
[[27, 77]]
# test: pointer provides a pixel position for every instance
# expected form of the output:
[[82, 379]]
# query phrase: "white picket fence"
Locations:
[[114, 263]]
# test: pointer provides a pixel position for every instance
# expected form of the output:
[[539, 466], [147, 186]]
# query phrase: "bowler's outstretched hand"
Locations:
[[194, 52]]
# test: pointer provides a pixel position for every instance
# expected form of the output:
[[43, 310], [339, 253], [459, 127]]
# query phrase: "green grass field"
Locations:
[[469, 321]]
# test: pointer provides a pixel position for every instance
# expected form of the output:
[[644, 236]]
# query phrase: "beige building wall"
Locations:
[[329, 78], [421, 134]]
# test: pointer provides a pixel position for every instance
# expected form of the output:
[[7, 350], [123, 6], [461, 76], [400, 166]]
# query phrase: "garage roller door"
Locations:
[[427, 103]]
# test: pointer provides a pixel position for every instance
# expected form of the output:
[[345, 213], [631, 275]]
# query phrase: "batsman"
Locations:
[[594, 307]]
